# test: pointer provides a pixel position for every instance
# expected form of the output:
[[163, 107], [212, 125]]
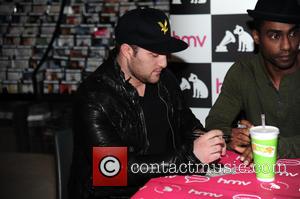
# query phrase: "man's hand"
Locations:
[[210, 146], [240, 141]]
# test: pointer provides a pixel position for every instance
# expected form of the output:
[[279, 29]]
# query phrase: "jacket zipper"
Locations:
[[142, 118], [168, 118]]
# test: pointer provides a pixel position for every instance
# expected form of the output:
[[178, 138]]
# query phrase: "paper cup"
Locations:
[[264, 145]]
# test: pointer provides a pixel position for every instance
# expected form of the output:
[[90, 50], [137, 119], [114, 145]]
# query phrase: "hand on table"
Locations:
[[210, 146], [240, 141]]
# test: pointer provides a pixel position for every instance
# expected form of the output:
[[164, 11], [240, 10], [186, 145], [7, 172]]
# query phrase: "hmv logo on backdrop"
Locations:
[[200, 90], [231, 37], [245, 41], [192, 40], [195, 83]]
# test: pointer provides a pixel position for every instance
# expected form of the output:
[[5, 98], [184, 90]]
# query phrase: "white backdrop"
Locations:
[[217, 35]]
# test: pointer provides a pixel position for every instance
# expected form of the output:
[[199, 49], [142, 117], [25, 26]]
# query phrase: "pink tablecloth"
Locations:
[[236, 186]]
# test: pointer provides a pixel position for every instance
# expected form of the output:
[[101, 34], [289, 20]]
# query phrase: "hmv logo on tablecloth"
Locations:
[[195, 83], [231, 37], [205, 193], [196, 179], [245, 196], [234, 182], [277, 185], [190, 6], [167, 189]]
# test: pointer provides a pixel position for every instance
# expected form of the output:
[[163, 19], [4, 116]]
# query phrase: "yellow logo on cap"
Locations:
[[164, 27]]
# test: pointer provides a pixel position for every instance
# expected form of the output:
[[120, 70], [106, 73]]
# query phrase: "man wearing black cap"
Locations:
[[267, 83], [132, 100]]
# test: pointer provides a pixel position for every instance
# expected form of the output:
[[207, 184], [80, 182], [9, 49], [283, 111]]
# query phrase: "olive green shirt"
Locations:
[[247, 87]]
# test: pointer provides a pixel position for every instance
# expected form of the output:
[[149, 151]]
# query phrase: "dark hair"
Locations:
[[117, 48], [257, 24], [135, 49]]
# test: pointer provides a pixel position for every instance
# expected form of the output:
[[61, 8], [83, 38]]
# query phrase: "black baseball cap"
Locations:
[[148, 28], [285, 11]]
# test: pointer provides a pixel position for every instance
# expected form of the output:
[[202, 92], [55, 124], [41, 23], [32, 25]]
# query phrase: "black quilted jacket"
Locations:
[[107, 113]]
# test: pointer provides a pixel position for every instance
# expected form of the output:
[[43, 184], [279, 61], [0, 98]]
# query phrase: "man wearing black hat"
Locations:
[[267, 83], [132, 100]]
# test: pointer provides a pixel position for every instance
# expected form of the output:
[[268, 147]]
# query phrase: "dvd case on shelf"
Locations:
[[54, 74], [68, 87], [80, 52], [14, 73], [98, 52], [73, 75], [10, 86], [2, 72], [54, 8], [21, 63], [11, 40], [15, 30], [93, 7], [19, 18], [7, 8], [30, 30], [76, 63], [83, 40], [28, 40], [5, 63], [65, 40], [26, 86], [24, 7], [8, 51], [50, 86], [40, 8], [27, 74], [23, 52]]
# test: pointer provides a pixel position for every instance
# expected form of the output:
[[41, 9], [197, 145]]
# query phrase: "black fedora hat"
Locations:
[[285, 11], [148, 28]]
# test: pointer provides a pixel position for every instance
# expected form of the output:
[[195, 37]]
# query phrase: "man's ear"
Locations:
[[255, 35], [126, 50]]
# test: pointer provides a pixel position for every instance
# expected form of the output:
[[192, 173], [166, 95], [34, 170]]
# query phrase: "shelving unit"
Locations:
[[81, 44]]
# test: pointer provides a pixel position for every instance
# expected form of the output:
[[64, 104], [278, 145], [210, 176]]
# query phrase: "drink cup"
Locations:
[[264, 145]]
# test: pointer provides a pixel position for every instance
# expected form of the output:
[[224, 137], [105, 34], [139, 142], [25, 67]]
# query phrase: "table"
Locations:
[[241, 185]]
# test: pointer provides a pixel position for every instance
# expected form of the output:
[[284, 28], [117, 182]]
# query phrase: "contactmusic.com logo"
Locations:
[[109, 166]]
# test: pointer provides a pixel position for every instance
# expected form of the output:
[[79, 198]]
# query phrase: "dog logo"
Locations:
[[200, 90], [245, 41]]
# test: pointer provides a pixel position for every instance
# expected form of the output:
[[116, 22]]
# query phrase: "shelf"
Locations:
[[32, 97]]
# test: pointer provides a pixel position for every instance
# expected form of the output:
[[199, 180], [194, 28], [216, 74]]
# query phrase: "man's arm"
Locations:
[[229, 103], [289, 147]]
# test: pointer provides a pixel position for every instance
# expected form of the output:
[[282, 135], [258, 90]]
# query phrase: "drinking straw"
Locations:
[[263, 120]]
